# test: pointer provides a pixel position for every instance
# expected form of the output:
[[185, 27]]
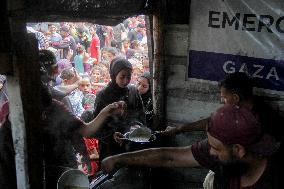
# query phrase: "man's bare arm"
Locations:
[[154, 157], [66, 89], [195, 126], [199, 125]]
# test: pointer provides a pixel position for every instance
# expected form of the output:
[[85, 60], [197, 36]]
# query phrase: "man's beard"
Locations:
[[234, 166]]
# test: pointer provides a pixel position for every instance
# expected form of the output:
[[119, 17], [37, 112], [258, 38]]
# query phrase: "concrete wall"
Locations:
[[187, 100], [196, 99]]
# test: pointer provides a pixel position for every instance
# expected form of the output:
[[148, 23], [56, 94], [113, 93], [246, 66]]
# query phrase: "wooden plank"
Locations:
[[158, 69], [16, 117], [6, 66], [26, 64]]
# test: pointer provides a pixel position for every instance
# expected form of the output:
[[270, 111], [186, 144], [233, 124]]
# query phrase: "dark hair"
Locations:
[[65, 29], [67, 73], [47, 58], [87, 115], [80, 30], [239, 83], [112, 50], [130, 53], [80, 49], [45, 96], [140, 25], [126, 40], [115, 43], [126, 23], [47, 61]]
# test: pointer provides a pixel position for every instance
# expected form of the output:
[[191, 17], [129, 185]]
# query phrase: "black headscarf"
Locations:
[[147, 101], [112, 92], [112, 89], [148, 94], [118, 64]]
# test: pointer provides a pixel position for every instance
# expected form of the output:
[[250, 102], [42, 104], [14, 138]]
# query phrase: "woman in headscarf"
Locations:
[[144, 89], [117, 90]]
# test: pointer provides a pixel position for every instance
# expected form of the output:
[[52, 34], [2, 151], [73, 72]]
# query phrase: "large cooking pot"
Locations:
[[73, 179]]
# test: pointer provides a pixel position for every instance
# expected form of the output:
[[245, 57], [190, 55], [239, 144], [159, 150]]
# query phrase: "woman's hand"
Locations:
[[118, 138]]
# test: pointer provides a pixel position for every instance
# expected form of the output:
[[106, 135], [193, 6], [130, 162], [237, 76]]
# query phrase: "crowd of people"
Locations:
[[79, 127], [85, 68], [89, 48]]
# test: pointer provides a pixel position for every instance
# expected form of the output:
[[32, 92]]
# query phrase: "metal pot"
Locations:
[[73, 178], [99, 180], [133, 143]]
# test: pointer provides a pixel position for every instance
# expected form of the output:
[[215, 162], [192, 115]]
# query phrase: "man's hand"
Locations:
[[114, 108], [170, 131]]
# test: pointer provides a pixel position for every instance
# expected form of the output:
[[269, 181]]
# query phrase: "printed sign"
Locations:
[[266, 72], [230, 36]]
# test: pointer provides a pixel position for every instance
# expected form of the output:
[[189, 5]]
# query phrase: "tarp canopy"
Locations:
[[107, 12]]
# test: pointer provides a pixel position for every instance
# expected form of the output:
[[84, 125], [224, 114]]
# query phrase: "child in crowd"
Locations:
[[74, 100], [135, 45], [112, 52], [87, 62], [62, 64], [137, 70], [125, 46], [68, 76], [130, 54], [96, 74], [78, 59], [70, 79], [105, 73], [145, 63], [96, 87], [103, 53], [97, 79], [92, 144]]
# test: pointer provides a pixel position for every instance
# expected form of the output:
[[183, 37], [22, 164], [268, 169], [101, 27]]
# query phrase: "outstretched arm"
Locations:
[[199, 125], [154, 157], [93, 126]]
